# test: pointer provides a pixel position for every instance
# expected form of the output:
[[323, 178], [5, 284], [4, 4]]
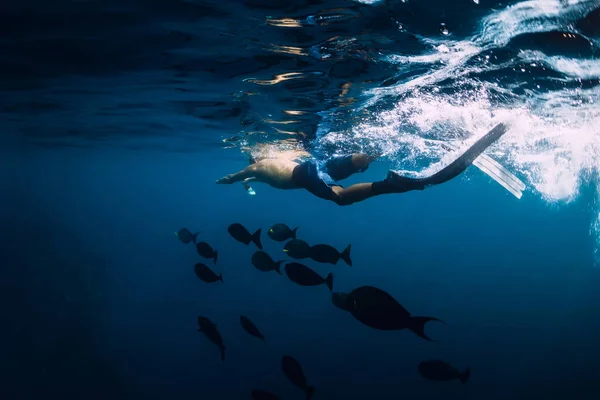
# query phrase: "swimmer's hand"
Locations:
[[248, 188], [225, 180]]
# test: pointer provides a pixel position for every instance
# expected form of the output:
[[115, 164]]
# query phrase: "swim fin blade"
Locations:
[[497, 172]]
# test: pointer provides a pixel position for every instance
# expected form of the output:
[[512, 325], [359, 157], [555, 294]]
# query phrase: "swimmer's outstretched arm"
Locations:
[[248, 173]]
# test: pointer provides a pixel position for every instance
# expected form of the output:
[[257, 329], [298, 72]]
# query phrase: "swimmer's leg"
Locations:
[[353, 194], [395, 183], [342, 167]]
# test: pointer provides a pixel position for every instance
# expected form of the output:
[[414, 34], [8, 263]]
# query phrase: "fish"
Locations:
[[185, 236], [263, 262], [206, 274], [325, 253], [297, 248], [304, 276], [379, 310], [258, 394], [206, 251], [251, 328], [293, 371], [342, 301], [281, 232], [241, 234], [438, 370], [209, 329]]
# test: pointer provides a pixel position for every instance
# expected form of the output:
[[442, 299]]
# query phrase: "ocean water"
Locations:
[[119, 116]]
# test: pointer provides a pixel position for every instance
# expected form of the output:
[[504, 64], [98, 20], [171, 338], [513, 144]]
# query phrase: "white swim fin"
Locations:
[[497, 172]]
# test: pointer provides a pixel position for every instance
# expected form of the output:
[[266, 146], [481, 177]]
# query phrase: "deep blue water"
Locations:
[[118, 117]]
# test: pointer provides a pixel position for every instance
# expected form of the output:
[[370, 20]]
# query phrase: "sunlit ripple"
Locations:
[[554, 141]]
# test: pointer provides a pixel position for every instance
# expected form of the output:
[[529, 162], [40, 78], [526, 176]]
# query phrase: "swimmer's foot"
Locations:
[[396, 183], [404, 183]]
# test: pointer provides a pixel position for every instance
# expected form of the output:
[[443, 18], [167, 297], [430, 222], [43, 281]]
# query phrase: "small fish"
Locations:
[[206, 274], [209, 329], [206, 251], [251, 328], [263, 395], [185, 236], [304, 276], [263, 262], [325, 253], [297, 248], [241, 234], [438, 370], [293, 371], [281, 232]]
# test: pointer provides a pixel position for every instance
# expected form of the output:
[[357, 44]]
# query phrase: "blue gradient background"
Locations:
[[100, 165]]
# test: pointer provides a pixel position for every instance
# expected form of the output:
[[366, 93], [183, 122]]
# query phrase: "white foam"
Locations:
[[530, 16], [554, 141]]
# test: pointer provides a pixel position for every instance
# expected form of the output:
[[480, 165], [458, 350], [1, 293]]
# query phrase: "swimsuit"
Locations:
[[308, 176]]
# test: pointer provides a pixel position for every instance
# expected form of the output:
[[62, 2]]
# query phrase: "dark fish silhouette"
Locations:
[[263, 262], [185, 236], [206, 274], [251, 328], [377, 309], [304, 276], [263, 395], [438, 370], [297, 248], [209, 329], [206, 251], [241, 234], [281, 232], [341, 301], [293, 371], [325, 253]]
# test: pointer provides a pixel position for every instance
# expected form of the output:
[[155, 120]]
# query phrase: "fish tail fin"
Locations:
[[329, 282], [222, 348], [263, 339], [309, 392], [195, 237], [256, 238], [294, 231], [221, 277], [417, 325], [216, 256], [278, 267], [346, 255], [464, 377]]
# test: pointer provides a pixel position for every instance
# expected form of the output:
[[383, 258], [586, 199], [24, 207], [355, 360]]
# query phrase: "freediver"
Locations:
[[297, 169]]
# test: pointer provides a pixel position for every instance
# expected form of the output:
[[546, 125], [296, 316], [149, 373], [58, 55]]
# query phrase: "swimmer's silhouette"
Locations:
[[286, 171]]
